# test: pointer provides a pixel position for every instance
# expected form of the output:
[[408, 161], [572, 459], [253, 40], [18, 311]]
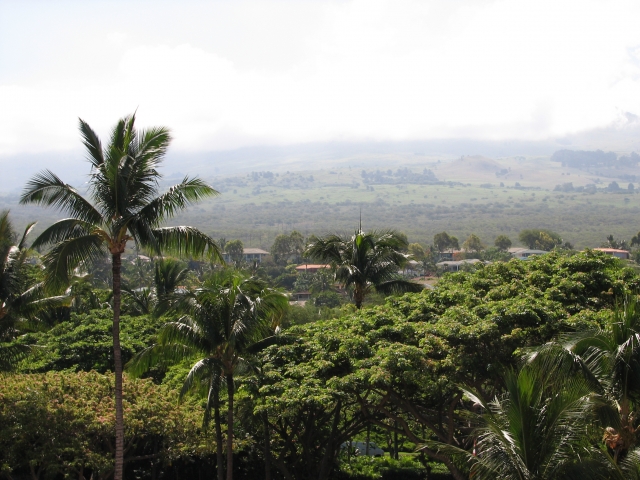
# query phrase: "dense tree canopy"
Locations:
[[473, 244], [404, 362], [502, 242], [63, 424], [540, 239]]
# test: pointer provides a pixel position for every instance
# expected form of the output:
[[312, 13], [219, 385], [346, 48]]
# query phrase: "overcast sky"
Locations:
[[225, 74]]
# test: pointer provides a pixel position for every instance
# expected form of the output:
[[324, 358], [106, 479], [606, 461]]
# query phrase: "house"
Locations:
[[310, 268], [450, 255], [525, 253], [455, 265], [622, 254], [301, 296], [250, 255]]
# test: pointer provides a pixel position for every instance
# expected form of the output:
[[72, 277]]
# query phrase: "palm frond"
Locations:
[[63, 230], [329, 249], [64, 257], [203, 369], [158, 354], [23, 241], [176, 199], [398, 286], [187, 241], [47, 189], [92, 143], [11, 354]]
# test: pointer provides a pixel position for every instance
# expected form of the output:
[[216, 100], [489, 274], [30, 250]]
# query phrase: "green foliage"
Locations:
[[235, 249], [85, 342], [416, 251], [495, 254], [365, 262], [217, 326], [502, 242], [23, 302], [63, 424], [537, 429], [384, 468], [540, 239], [286, 247], [327, 299], [125, 205], [473, 244], [412, 354], [609, 358], [443, 241]]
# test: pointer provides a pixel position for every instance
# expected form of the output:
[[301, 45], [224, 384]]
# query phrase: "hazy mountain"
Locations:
[[621, 137]]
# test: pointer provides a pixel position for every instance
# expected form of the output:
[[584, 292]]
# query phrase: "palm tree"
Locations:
[[536, 430], [22, 299], [125, 206], [169, 274], [229, 317], [609, 359], [12, 296], [365, 262]]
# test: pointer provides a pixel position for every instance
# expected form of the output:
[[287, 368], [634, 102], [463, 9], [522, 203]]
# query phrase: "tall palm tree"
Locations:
[[125, 205], [609, 359], [365, 262], [229, 317]]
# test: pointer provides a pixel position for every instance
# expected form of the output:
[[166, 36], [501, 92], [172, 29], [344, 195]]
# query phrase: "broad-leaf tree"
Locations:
[[473, 244], [365, 262], [124, 205], [502, 242]]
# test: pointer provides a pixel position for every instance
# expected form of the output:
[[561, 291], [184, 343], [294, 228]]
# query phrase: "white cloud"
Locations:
[[228, 74]]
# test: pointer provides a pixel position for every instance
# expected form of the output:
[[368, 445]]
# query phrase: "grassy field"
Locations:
[[473, 195]]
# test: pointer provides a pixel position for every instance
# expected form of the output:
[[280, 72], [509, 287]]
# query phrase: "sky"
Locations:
[[230, 74]]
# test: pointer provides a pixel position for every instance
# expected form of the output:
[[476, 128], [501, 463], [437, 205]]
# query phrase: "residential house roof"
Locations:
[[254, 251], [311, 266]]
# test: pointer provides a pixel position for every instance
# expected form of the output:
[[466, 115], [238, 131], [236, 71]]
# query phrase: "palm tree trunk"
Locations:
[[117, 358], [358, 296], [217, 421], [230, 393]]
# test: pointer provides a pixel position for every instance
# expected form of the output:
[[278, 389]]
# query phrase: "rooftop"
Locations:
[[254, 251], [611, 250], [311, 266]]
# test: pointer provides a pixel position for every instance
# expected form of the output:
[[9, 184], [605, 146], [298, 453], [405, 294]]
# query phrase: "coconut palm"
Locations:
[[536, 430], [229, 317], [169, 274], [13, 297], [365, 262], [609, 359], [125, 206], [22, 299]]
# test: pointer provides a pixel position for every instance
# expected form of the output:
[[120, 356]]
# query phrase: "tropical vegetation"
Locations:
[[507, 369], [365, 262], [125, 205]]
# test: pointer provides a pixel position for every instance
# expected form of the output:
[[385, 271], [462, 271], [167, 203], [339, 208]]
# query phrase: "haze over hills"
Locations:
[[420, 187], [621, 137]]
